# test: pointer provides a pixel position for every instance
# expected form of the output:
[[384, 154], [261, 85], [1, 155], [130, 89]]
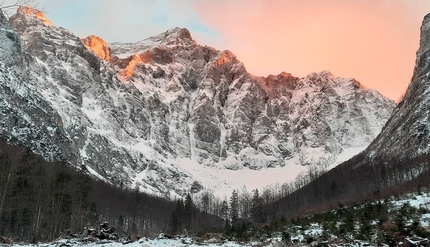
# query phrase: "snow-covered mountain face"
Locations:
[[167, 115], [407, 133], [219, 114]]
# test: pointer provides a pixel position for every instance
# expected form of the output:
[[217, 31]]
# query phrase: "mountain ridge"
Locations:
[[395, 162], [167, 114], [409, 122]]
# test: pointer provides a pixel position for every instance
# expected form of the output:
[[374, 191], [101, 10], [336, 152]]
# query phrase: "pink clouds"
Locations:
[[372, 41]]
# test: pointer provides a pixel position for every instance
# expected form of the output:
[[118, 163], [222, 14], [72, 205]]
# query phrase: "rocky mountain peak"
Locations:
[[322, 76], [178, 33], [166, 113], [98, 46], [285, 74], [282, 77], [44, 40], [175, 36], [272, 83], [225, 57], [181, 33], [29, 12], [425, 32], [325, 78]]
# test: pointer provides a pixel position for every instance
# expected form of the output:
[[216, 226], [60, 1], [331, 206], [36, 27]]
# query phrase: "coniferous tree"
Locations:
[[5, 167], [257, 207], [234, 208], [176, 221], [41, 201], [205, 202], [245, 203], [225, 212], [188, 212]]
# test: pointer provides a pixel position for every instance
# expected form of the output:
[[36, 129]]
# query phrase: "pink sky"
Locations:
[[374, 41]]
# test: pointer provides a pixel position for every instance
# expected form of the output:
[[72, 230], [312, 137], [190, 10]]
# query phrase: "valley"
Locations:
[[168, 141], [159, 113]]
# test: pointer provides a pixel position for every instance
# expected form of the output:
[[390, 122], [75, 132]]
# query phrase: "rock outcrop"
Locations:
[[98, 46]]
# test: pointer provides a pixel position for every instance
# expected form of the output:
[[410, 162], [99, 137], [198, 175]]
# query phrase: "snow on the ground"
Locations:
[[146, 242], [417, 201], [223, 181], [347, 154]]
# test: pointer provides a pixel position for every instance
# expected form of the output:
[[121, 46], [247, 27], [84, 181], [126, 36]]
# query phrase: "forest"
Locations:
[[42, 201], [356, 180]]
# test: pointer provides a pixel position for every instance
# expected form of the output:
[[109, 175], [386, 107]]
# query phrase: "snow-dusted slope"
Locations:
[[71, 107], [218, 113], [167, 115]]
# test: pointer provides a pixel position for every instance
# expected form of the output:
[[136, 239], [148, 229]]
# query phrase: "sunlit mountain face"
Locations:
[[169, 116], [98, 46]]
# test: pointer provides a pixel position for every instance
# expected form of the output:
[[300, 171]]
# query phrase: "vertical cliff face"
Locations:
[[407, 132], [166, 114], [238, 120], [67, 104]]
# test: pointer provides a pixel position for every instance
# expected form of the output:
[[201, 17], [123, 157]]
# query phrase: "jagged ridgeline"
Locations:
[[396, 162], [167, 115]]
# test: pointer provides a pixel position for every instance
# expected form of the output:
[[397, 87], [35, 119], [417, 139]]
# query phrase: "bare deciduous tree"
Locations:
[[9, 6]]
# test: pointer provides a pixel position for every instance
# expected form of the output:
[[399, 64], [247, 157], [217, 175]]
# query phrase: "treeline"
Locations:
[[356, 180], [189, 218], [252, 207], [41, 201], [318, 190], [241, 215]]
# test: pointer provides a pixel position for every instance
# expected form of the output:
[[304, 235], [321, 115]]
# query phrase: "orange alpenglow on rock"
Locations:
[[28, 10], [129, 70], [225, 57], [98, 46]]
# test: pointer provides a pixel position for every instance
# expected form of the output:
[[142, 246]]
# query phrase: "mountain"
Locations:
[[407, 133], [395, 163], [167, 115]]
